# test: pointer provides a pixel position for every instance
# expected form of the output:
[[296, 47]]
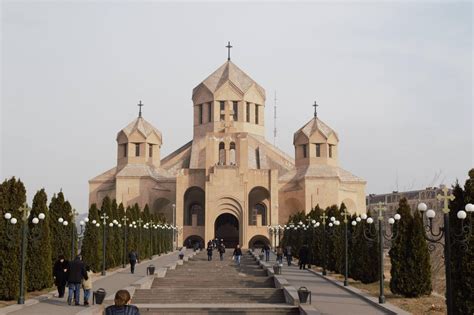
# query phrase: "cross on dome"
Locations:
[[315, 105], [228, 50], [140, 108]]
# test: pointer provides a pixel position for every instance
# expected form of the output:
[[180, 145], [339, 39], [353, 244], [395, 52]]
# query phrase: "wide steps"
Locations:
[[209, 295], [216, 309]]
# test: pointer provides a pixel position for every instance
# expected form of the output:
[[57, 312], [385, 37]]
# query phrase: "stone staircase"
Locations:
[[214, 287]]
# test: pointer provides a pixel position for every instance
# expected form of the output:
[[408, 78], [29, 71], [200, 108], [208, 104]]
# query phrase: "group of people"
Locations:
[[303, 254], [76, 275], [218, 245]]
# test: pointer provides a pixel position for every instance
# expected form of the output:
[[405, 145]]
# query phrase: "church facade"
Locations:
[[228, 181]]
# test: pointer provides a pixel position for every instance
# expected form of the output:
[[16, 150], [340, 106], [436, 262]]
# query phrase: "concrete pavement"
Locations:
[[111, 283]]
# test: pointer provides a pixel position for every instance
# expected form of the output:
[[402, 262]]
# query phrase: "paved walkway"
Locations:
[[327, 297], [111, 284]]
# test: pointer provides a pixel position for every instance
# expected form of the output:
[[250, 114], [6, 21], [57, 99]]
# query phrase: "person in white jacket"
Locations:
[[87, 286]]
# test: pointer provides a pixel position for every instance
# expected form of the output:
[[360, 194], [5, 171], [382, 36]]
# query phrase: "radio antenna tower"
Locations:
[[275, 120]]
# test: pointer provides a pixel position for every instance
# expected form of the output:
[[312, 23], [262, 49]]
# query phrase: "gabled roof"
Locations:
[[313, 126], [230, 72], [141, 125]]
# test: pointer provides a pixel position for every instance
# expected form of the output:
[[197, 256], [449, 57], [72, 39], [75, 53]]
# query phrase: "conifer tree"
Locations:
[[462, 258], [364, 255], [38, 263], [91, 250], [12, 197], [60, 234], [119, 233], [106, 209], [409, 256], [332, 238], [315, 239]]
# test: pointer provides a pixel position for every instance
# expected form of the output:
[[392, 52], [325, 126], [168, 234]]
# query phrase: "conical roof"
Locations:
[[141, 125], [314, 125], [230, 72]]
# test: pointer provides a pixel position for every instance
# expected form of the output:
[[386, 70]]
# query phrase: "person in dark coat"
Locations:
[[266, 250], [60, 274], [133, 259], [237, 254], [75, 274], [303, 256], [209, 253], [288, 255], [122, 305], [221, 250]]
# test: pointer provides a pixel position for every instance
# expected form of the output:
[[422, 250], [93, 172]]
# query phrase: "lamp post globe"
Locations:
[[41, 216], [8, 216], [430, 214], [422, 207], [35, 221], [13, 221]]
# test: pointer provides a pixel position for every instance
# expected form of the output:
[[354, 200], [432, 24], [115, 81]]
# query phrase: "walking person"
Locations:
[[122, 305], [237, 255], [266, 250], [279, 254], [289, 255], [76, 272], [87, 285], [209, 253], [133, 258], [303, 256], [60, 274], [221, 251]]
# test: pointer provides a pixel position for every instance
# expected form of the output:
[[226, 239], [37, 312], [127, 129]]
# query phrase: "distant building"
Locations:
[[414, 197]]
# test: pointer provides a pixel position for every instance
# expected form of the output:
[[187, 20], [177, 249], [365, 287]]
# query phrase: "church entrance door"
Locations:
[[227, 227]]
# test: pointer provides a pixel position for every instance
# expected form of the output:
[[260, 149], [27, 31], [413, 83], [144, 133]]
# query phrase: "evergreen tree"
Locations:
[[333, 238], [119, 234], [365, 255], [12, 197], [91, 250], [339, 242], [315, 239], [60, 234], [462, 258], [38, 257], [409, 256], [106, 209]]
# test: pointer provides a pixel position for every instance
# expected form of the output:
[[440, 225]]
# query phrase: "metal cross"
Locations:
[[380, 208], [104, 217], [25, 210], [228, 50], [140, 221], [346, 214], [140, 110], [315, 105], [74, 213], [445, 198], [324, 217], [125, 219]]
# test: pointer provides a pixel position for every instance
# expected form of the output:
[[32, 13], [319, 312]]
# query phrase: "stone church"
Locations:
[[228, 181]]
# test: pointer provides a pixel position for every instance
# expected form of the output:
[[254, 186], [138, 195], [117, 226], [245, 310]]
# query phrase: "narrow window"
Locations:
[[209, 113], [221, 153], [125, 150], [150, 150], [248, 112], [305, 154], [200, 114], [235, 108], [318, 149], [330, 150], [222, 110], [232, 153], [256, 114], [137, 149]]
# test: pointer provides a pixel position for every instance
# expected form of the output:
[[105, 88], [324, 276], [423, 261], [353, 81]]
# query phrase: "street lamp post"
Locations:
[[25, 211], [324, 217], [125, 227], [346, 269], [104, 218], [449, 239], [139, 221], [174, 224], [374, 237]]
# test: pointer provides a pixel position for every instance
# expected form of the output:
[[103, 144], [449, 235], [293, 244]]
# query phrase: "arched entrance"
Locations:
[[258, 241], [193, 239], [227, 227]]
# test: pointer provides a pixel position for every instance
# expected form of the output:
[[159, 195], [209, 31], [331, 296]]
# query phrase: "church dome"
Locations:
[[140, 125], [312, 127], [229, 72]]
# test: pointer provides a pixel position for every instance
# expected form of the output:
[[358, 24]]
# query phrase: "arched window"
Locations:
[[195, 209], [221, 153], [232, 153], [259, 209]]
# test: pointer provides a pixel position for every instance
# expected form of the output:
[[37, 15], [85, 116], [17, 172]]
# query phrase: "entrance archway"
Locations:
[[227, 227], [193, 239], [258, 241]]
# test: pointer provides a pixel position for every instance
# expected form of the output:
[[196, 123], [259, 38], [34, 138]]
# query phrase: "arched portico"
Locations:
[[258, 241], [226, 227]]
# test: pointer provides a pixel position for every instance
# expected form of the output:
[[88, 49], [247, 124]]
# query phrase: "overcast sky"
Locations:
[[393, 79]]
